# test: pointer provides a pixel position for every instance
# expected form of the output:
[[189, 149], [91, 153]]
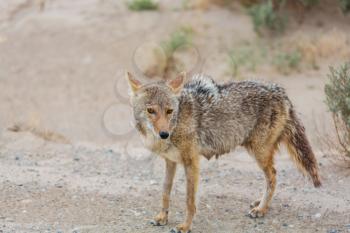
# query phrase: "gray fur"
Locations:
[[225, 115]]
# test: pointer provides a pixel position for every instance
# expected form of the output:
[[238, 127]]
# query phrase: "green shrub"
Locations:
[[286, 62], [264, 16], [338, 101], [242, 57], [345, 5], [179, 38], [310, 3], [338, 92], [141, 5]]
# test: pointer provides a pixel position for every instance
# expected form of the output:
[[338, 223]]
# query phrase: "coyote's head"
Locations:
[[155, 105]]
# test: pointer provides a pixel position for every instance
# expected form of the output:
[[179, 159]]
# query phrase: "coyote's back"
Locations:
[[247, 113]]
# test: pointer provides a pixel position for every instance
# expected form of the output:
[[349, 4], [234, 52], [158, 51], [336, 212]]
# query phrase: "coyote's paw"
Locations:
[[257, 212], [255, 203], [182, 228], [160, 220]]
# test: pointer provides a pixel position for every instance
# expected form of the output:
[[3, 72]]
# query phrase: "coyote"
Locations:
[[180, 122]]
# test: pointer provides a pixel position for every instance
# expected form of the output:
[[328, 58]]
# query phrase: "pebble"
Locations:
[[333, 231], [285, 224], [153, 182], [318, 215]]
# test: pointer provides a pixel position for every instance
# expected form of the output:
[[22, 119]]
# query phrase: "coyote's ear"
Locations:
[[176, 84], [135, 84]]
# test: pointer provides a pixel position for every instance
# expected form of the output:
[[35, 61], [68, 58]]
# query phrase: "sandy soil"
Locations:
[[61, 68]]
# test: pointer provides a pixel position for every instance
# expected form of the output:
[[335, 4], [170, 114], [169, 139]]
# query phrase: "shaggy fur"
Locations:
[[209, 119]]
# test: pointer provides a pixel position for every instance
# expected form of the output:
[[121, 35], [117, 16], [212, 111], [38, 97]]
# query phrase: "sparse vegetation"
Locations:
[[345, 5], [309, 3], [243, 56], [179, 38], [252, 56], [285, 62], [264, 16], [338, 101], [142, 5], [166, 63]]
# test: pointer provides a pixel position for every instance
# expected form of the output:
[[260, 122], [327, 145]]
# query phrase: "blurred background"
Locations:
[[67, 141]]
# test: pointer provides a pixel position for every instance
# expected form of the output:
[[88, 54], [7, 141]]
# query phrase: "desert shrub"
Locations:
[[285, 62], [345, 5], [338, 101], [179, 38], [244, 56], [265, 16], [309, 3], [167, 62], [141, 5]]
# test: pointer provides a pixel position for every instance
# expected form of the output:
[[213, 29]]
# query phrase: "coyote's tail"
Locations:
[[299, 147]]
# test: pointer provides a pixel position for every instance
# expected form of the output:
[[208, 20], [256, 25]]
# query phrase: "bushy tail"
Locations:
[[299, 147]]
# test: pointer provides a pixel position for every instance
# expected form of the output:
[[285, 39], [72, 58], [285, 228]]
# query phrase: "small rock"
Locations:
[[347, 226], [59, 186], [318, 215], [285, 224], [333, 231], [153, 182]]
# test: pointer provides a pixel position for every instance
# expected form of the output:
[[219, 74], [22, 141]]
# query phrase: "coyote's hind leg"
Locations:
[[260, 207], [263, 152]]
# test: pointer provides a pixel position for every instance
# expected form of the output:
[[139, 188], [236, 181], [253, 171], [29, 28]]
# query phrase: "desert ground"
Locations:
[[61, 70]]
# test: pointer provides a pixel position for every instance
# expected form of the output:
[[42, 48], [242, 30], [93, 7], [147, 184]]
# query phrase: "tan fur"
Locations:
[[209, 120]]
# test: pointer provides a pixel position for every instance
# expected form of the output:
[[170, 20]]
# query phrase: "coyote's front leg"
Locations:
[[192, 177], [162, 218]]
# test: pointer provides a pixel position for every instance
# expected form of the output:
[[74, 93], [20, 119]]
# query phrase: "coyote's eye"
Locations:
[[151, 110], [169, 111]]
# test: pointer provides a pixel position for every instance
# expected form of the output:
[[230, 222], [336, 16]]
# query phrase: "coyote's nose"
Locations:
[[163, 134]]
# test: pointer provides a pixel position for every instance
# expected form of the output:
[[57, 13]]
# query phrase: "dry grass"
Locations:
[[333, 44], [165, 63], [40, 132], [205, 4], [328, 142]]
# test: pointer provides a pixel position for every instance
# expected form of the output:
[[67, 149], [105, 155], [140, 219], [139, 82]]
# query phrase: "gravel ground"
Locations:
[[61, 68]]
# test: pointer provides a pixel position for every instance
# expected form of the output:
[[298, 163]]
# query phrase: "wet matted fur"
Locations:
[[181, 122]]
